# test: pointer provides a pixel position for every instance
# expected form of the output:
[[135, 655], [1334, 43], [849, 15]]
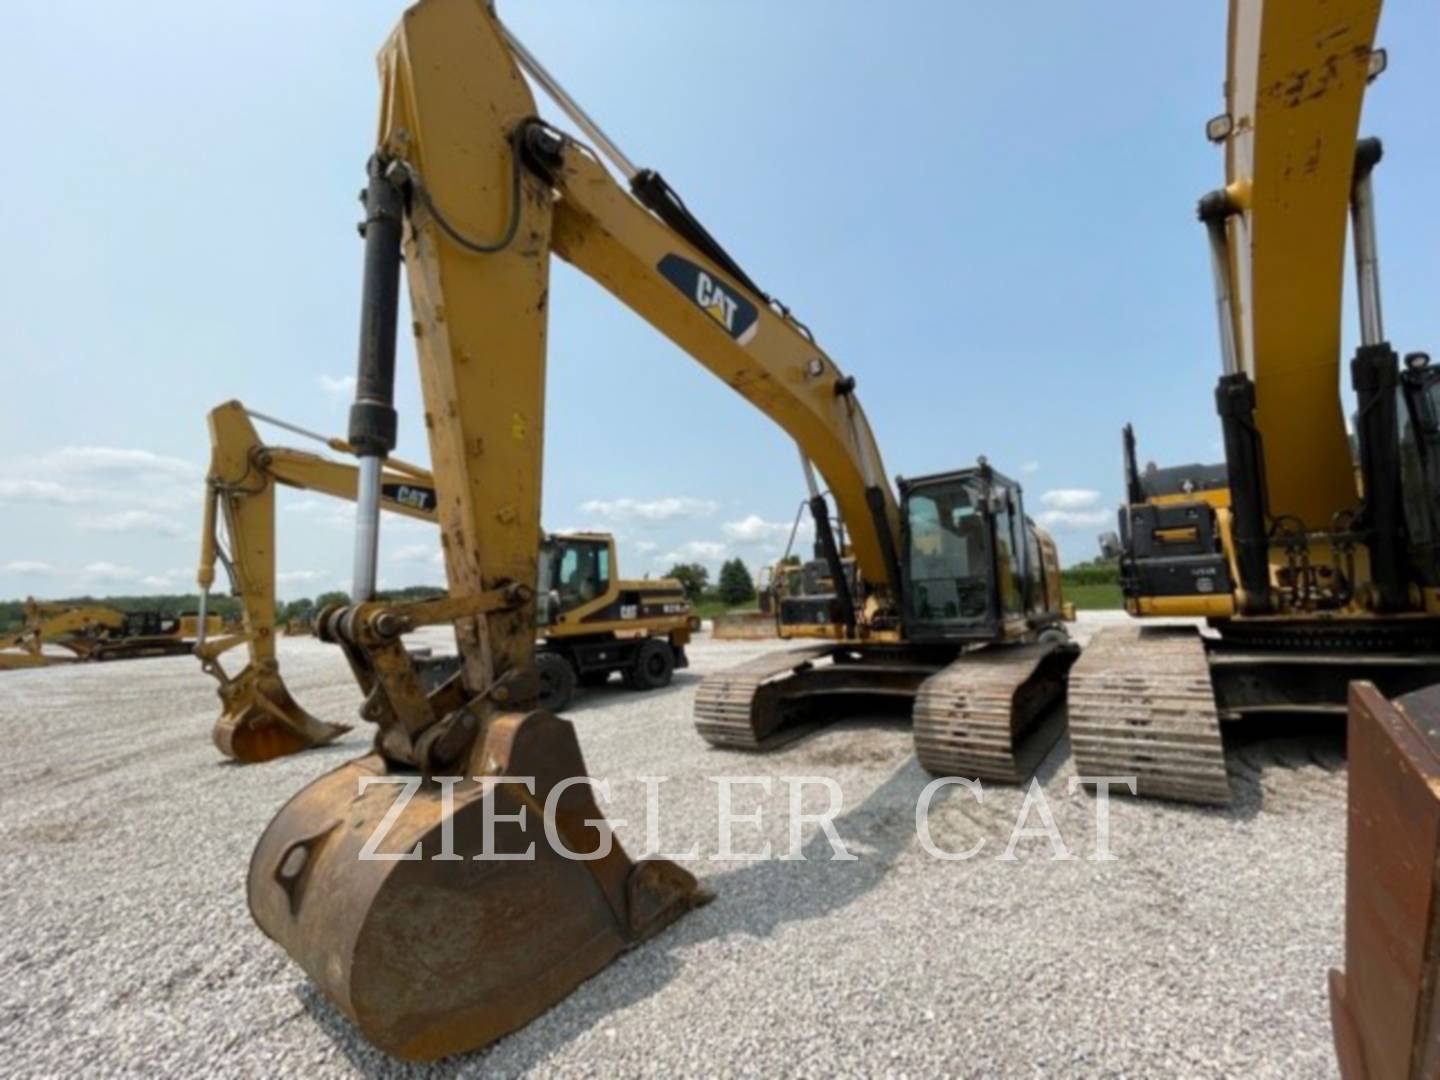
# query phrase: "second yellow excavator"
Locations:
[[461, 931], [593, 624]]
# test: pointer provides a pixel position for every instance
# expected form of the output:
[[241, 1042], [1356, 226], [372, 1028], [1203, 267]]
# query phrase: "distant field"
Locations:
[[1094, 597], [708, 609]]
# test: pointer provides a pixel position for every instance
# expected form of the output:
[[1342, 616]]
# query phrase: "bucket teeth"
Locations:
[[1142, 705]]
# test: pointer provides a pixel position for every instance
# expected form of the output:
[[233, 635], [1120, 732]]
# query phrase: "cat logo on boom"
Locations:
[[721, 301]]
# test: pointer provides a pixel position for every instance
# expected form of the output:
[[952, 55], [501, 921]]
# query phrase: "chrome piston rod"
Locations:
[[1367, 251]]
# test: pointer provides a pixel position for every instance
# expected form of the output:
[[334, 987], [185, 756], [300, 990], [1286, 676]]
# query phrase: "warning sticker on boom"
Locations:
[[721, 301]]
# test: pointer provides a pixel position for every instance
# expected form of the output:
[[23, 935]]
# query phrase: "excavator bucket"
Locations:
[[260, 721], [1383, 1006], [458, 923]]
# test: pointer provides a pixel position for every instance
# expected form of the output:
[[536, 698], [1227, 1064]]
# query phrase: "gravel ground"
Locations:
[[1200, 951]]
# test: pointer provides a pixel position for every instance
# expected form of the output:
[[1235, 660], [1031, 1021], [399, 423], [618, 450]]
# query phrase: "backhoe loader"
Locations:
[[439, 952], [1311, 567], [592, 624], [94, 632]]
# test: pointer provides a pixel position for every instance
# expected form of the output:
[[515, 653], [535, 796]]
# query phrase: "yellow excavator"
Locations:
[[593, 624], [1313, 564], [437, 952], [94, 632]]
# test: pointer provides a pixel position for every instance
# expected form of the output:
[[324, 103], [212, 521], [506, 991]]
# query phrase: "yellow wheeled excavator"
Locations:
[[1311, 567], [481, 926], [593, 624]]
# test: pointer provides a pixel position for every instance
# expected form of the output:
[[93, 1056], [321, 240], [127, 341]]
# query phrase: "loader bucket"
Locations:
[[260, 721], [458, 943], [1383, 1006]]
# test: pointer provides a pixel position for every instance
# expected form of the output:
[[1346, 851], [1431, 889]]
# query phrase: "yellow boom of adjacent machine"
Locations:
[[1314, 566]]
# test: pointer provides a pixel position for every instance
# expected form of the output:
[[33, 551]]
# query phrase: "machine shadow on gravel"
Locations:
[[614, 691], [1255, 747]]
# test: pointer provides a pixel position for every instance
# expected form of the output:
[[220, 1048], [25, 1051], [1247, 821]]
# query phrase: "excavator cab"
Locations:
[[574, 571], [972, 569]]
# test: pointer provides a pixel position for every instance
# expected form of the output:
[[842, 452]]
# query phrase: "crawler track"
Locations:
[[736, 709], [1141, 705], [978, 716]]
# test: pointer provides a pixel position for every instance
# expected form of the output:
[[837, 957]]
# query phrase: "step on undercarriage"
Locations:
[[976, 714]]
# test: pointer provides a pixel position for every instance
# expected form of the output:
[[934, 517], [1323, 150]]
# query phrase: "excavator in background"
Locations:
[[957, 590], [95, 632], [592, 623], [1313, 569]]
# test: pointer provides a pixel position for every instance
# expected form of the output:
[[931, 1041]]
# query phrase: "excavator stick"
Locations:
[[434, 954], [1383, 1006]]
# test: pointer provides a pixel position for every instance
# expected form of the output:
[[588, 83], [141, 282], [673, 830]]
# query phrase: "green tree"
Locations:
[[336, 597], [736, 584], [693, 579], [304, 608]]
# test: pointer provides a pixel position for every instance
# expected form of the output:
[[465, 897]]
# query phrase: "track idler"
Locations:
[[260, 721], [486, 921]]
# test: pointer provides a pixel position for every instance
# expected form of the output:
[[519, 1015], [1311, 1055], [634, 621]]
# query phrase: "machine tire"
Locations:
[[654, 665], [557, 681]]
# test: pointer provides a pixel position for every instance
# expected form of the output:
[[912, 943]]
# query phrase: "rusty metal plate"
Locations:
[[1383, 1004]]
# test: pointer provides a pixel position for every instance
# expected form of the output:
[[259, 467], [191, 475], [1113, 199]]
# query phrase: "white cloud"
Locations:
[[299, 577], [651, 511], [131, 521], [753, 529], [40, 491], [418, 553], [695, 550], [110, 459], [340, 386], [644, 547], [1030, 467], [169, 579], [110, 572], [1074, 519], [1070, 498], [28, 568]]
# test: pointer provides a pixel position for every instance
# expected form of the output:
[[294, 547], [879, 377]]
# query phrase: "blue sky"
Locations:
[[984, 211]]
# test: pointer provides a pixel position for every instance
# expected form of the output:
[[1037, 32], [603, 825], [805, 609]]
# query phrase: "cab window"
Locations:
[[949, 555]]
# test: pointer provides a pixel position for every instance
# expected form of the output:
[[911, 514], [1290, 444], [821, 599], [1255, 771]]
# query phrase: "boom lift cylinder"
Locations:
[[1375, 373], [372, 417]]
